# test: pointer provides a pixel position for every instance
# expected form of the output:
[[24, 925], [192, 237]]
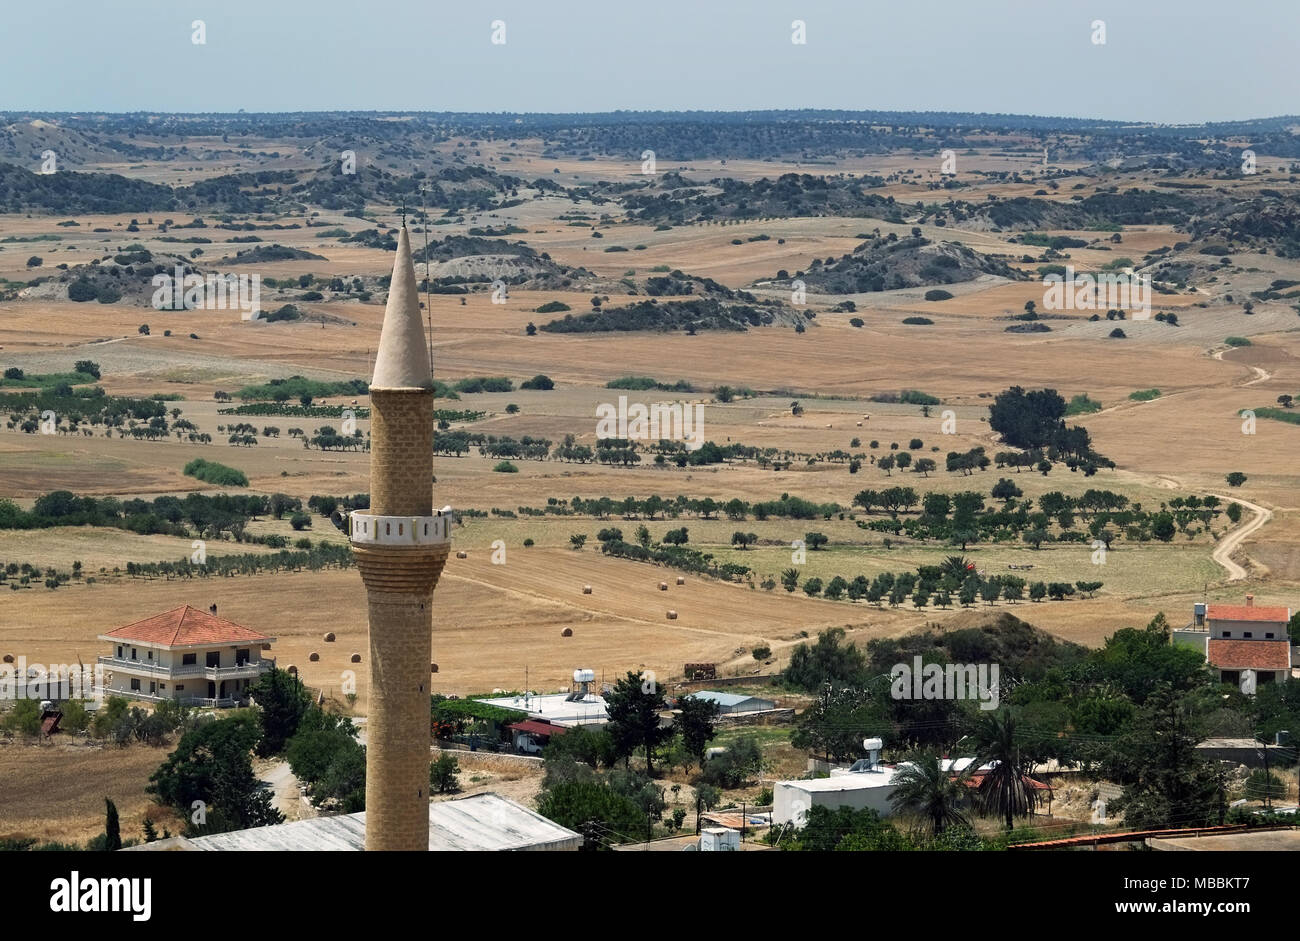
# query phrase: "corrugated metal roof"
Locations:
[[536, 727], [724, 699], [482, 822]]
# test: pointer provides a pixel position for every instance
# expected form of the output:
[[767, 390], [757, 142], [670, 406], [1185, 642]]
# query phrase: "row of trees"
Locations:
[[954, 580]]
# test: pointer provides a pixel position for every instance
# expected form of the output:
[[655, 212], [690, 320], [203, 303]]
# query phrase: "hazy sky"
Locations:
[[1164, 60]]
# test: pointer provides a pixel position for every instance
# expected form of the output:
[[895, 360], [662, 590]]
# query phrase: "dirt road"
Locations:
[[1229, 543]]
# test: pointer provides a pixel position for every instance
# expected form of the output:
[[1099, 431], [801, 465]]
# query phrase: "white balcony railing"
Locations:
[[179, 671], [198, 701]]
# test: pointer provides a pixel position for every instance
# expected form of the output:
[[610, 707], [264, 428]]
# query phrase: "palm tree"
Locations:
[[923, 788], [1005, 790], [955, 565]]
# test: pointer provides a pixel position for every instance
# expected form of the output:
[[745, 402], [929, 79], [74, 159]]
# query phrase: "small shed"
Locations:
[[858, 791], [731, 703]]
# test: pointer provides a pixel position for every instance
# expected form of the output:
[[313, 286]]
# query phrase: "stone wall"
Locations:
[[489, 759]]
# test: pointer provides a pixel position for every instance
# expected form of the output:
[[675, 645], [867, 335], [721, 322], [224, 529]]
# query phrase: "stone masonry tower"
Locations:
[[400, 545]]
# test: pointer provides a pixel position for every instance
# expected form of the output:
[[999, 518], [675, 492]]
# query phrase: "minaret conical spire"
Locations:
[[403, 358]]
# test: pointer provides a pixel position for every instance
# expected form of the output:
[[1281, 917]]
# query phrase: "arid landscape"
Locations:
[[827, 310]]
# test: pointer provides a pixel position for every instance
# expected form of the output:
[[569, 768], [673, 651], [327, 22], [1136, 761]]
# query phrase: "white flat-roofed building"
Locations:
[[186, 655], [564, 709], [859, 790]]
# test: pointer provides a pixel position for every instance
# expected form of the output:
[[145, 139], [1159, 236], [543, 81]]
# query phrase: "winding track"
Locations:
[[1229, 543]]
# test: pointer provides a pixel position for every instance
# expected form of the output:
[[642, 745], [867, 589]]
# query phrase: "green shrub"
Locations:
[[213, 473], [82, 290], [444, 774]]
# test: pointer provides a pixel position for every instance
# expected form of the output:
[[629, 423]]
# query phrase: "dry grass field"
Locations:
[[55, 792], [500, 626]]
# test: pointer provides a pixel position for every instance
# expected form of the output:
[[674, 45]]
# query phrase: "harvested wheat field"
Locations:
[[55, 792]]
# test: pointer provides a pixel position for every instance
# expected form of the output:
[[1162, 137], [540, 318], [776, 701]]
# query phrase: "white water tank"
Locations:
[[584, 676], [872, 747]]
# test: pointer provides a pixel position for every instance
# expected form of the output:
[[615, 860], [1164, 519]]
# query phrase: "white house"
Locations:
[[1248, 644], [186, 655]]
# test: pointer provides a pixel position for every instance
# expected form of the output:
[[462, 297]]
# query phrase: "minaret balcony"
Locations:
[[370, 529]]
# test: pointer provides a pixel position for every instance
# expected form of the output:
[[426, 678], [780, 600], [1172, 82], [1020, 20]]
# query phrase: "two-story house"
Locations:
[[187, 655], [1248, 644]]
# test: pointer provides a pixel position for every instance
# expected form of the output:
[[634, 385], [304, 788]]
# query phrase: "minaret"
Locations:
[[400, 545]]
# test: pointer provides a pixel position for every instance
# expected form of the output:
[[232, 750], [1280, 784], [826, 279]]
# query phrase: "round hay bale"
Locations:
[[586, 589], [355, 658], [663, 586], [9, 658], [462, 554], [859, 424], [329, 638], [292, 669], [313, 656], [672, 615], [828, 424], [433, 668], [681, 580], [567, 632]]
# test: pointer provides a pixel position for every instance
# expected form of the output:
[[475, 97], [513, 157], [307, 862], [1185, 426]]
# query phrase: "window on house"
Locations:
[[119, 651], [135, 682], [213, 658], [1247, 634], [1268, 635], [134, 654], [180, 687], [149, 654], [189, 659], [241, 657], [1227, 633], [162, 686]]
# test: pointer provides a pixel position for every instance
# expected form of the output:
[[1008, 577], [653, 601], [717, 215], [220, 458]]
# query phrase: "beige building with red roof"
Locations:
[[187, 655], [1248, 644]]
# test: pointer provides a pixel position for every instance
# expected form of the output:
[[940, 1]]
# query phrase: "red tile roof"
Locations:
[[184, 627], [1249, 654], [1247, 612]]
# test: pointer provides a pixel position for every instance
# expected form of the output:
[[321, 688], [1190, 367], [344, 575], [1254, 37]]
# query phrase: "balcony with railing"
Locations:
[[222, 702], [247, 669]]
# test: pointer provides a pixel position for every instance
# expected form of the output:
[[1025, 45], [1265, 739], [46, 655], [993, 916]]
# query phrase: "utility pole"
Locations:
[[1268, 781]]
